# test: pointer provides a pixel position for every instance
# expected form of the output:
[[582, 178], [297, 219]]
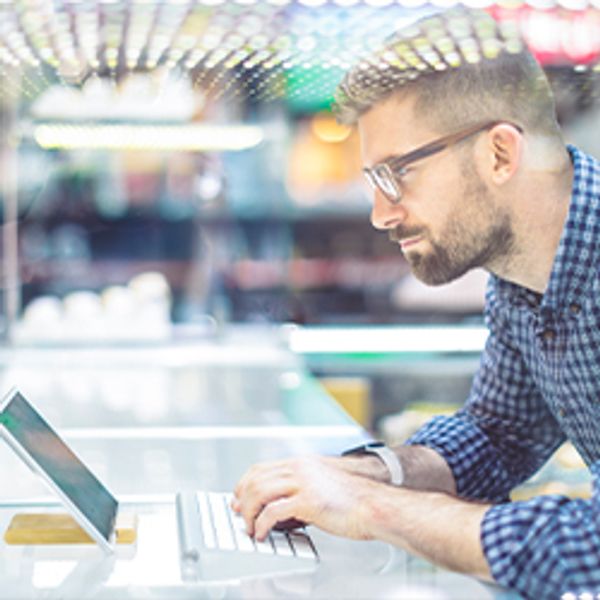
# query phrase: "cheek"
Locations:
[[438, 198], [441, 189], [444, 213]]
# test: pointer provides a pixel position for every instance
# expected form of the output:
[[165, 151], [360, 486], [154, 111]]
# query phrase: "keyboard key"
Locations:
[[243, 540], [301, 544], [281, 544], [264, 547], [221, 521], [206, 522]]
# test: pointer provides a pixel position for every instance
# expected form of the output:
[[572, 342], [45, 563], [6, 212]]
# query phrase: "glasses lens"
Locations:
[[370, 178], [385, 182]]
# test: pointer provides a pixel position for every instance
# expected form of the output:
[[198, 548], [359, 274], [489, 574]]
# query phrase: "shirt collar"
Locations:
[[579, 247]]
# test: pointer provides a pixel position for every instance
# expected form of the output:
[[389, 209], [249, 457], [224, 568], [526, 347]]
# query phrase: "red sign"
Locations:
[[557, 36]]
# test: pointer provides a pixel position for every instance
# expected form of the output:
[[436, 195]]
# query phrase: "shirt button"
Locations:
[[562, 413], [575, 308], [549, 334]]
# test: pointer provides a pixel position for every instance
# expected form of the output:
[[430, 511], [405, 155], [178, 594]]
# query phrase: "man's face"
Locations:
[[447, 221]]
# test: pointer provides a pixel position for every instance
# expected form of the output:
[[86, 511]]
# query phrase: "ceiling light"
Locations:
[[191, 138]]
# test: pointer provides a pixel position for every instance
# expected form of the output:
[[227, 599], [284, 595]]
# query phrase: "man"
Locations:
[[460, 142]]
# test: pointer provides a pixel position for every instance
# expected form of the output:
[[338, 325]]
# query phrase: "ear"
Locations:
[[505, 145]]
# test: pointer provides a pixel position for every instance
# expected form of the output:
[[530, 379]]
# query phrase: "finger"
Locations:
[[249, 475], [279, 510], [256, 471], [262, 484], [254, 502], [260, 481]]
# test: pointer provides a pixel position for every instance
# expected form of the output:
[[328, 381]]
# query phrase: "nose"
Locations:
[[384, 214]]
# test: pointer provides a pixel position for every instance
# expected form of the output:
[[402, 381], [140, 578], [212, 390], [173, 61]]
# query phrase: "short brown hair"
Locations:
[[462, 66]]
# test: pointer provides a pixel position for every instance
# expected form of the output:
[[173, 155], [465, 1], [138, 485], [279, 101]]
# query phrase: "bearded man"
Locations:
[[468, 168]]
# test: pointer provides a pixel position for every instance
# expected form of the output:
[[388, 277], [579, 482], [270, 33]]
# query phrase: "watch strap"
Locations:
[[386, 455]]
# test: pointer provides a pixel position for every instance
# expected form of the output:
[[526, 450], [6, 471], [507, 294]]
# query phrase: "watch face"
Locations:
[[363, 449]]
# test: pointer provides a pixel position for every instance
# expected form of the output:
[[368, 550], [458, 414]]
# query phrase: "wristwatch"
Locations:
[[387, 455]]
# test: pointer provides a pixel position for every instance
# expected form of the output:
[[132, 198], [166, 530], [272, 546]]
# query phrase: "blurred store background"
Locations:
[[194, 140], [171, 167]]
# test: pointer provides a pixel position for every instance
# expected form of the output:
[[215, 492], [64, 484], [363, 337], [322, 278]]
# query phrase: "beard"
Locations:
[[476, 235]]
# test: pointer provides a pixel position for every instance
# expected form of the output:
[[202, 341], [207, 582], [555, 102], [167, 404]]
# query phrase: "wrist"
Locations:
[[367, 465], [383, 461]]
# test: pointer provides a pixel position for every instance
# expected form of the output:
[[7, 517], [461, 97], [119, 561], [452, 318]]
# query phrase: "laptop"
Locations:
[[210, 533]]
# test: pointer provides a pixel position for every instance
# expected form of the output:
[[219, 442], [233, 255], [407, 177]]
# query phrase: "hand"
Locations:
[[366, 465], [315, 490]]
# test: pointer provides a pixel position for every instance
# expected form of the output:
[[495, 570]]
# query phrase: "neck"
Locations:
[[539, 209]]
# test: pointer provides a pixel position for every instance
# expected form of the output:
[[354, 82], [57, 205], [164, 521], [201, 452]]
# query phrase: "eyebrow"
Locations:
[[390, 158], [395, 156]]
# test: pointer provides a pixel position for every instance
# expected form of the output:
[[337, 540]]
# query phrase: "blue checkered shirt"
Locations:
[[537, 385]]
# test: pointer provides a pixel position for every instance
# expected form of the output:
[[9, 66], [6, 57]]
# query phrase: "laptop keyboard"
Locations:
[[209, 529]]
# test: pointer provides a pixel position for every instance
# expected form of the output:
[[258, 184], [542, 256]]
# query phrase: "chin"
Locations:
[[431, 272], [433, 280]]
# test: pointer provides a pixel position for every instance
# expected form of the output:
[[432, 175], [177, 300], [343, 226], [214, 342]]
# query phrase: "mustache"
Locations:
[[400, 233]]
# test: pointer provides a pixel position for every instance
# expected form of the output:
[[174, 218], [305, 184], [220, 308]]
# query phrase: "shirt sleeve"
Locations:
[[505, 432], [546, 547]]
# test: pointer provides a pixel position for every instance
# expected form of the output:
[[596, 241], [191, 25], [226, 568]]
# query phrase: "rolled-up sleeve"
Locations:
[[546, 547]]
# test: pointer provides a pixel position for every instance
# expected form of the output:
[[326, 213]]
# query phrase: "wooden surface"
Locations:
[[59, 528]]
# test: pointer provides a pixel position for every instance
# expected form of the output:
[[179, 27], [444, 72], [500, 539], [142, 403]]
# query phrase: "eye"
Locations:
[[400, 172]]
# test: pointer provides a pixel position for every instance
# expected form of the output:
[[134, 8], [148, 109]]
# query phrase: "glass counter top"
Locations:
[[150, 569], [153, 421]]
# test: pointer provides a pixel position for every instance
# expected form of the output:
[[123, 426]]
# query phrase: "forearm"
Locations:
[[424, 469], [443, 529]]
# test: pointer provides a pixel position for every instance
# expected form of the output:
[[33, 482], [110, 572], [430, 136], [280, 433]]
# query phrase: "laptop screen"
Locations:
[[52, 455]]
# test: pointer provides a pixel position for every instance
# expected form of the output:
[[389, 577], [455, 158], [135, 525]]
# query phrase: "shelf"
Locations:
[[245, 274]]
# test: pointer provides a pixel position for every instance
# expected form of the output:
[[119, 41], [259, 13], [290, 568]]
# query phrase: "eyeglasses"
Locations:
[[386, 176]]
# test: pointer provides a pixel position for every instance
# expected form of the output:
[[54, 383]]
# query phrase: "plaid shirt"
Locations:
[[538, 384]]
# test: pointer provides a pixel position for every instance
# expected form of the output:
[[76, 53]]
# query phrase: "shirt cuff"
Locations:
[[473, 460]]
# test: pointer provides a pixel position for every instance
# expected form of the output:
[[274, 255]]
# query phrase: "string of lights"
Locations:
[[262, 49]]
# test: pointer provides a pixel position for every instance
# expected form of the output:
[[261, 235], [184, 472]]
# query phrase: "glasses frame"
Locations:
[[385, 175]]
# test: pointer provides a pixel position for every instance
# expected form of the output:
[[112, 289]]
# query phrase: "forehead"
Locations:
[[391, 127]]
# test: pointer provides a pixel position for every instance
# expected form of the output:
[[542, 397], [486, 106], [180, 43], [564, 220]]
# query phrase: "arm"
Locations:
[[424, 468], [548, 546], [543, 548], [503, 435], [442, 529], [439, 527]]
